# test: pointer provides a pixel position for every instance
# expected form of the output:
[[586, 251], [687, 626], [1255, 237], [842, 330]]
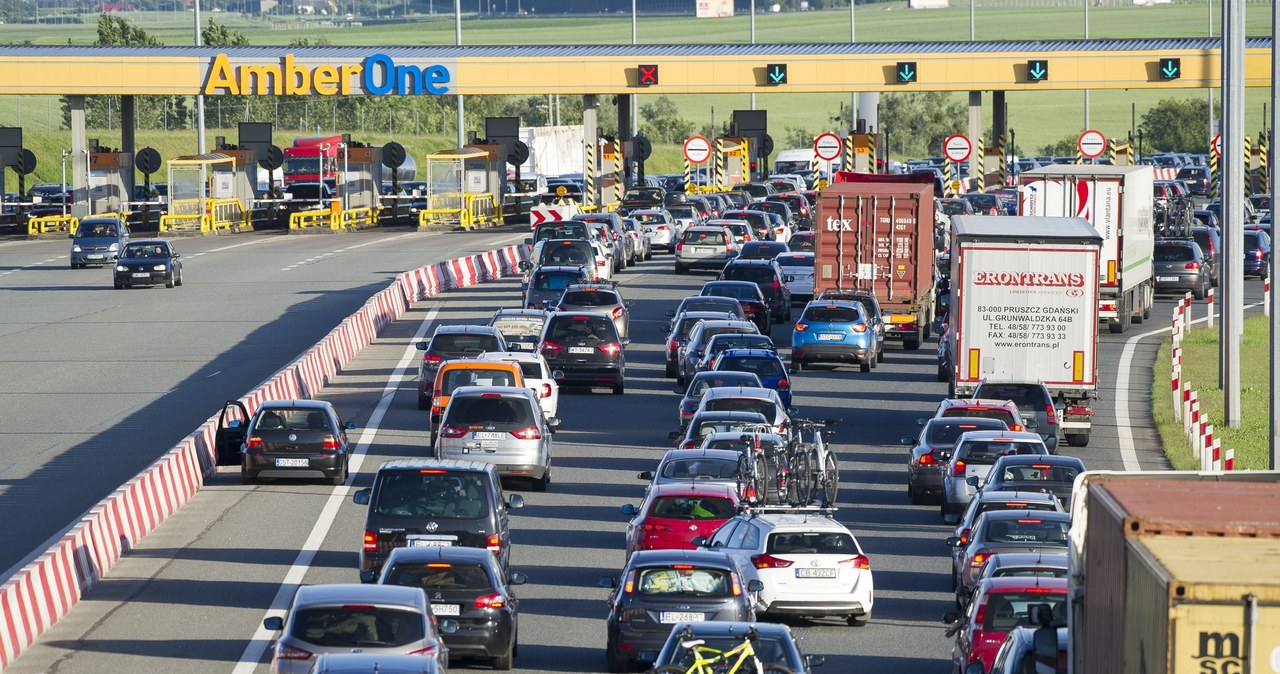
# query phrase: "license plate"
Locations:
[[94, 257], [816, 573], [681, 617], [446, 609], [488, 435], [429, 541], [580, 349], [699, 250], [140, 274], [292, 463], [830, 336], [1167, 279]]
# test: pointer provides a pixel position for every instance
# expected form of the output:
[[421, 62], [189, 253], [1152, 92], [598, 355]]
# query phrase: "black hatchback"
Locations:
[[285, 438], [1180, 266], [768, 275], [448, 342], [426, 503], [586, 350]]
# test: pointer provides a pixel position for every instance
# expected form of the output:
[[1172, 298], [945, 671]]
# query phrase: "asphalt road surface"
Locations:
[[192, 596]]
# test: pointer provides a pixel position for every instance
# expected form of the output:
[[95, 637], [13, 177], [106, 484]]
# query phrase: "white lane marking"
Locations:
[[262, 637], [331, 253], [1124, 426], [34, 264]]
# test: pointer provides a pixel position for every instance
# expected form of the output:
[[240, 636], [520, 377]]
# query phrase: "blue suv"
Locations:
[[763, 363], [833, 331]]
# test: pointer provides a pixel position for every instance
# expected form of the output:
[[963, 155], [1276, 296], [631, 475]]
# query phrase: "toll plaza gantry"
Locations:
[[619, 70]]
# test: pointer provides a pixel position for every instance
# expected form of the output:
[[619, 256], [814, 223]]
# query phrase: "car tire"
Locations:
[[119, 285], [247, 477], [168, 281], [859, 620], [1078, 439], [955, 582], [540, 484], [942, 510], [865, 365], [75, 265], [340, 478], [680, 269], [424, 403], [178, 280], [797, 365], [619, 388], [912, 496], [911, 344], [503, 662], [1198, 293], [614, 664], [670, 371], [943, 375]]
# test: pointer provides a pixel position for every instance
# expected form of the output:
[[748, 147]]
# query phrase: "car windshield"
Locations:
[[482, 413], [701, 384], [456, 377], [752, 273], [704, 237], [462, 344], [415, 494], [763, 407], [519, 326], [590, 298], [1027, 530], [1007, 610], [581, 327], [699, 467], [439, 576], [145, 251], [692, 508], [987, 451], [306, 191], [734, 290], [831, 314], [96, 230], [948, 433], [812, 543], [355, 625], [1174, 254], [701, 582], [1040, 472], [761, 367]]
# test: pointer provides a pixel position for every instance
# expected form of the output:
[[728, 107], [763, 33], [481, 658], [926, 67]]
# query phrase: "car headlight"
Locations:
[[114, 247], [121, 267], [75, 248], [159, 267]]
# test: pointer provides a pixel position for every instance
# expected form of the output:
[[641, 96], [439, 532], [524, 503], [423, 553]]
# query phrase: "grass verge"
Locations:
[[1200, 368]]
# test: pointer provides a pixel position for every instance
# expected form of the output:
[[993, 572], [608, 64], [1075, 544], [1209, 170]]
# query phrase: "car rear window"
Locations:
[[768, 649], [589, 298], [699, 467], [1031, 530], [742, 446], [358, 626], [831, 314], [753, 273], [981, 413], [422, 494], [692, 508], [812, 543], [1025, 396], [554, 280], [987, 451], [940, 434], [712, 331], [480, 412], [802, 242], [439, 576], [732, 290], [562, 230], [700, 385], [686, 327], [702, 582], [463, 344], [704, 237], [761, 367], [1251, 240], [578, 253], [1005, 611], [987, 505], [292, 419], [580, 327], [649, 218], [1038, 473], [1174, 254], [764, 407], [1029, 572], [721, 305], [480, 377], [519, 326], [706, 428], [724, 342], [795, 260]]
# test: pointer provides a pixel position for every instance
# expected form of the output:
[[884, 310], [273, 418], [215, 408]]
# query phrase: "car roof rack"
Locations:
[[757, 510]]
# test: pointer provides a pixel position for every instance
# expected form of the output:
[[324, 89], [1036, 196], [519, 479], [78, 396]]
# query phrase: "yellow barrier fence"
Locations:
[[310, 219], [461, 210], [356, 218], [174, 222], [334, 220], [226, 214], [53, 223]]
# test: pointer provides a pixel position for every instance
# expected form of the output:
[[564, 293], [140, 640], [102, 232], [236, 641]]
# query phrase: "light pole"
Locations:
[[200, 96], [971, 22], [1086, 36], [457, 38], [635, 103], [753, 41]]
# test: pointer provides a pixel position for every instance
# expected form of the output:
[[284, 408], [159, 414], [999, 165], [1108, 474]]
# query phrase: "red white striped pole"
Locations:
[[1208, 296], [1266, 296], [1175, 384], [1229, 461], [1197, 447], [1217, 455], [1186, 312], [1191, 424], [1206, 457]]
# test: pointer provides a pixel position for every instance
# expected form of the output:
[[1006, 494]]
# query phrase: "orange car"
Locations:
[[455, 373]]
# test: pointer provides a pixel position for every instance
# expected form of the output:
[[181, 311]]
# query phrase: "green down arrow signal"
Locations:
[[1037, 71], [1170, 69], [777, 74], [906, 73]]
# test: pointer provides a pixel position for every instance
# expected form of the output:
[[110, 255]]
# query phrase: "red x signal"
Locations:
[[648, 76]]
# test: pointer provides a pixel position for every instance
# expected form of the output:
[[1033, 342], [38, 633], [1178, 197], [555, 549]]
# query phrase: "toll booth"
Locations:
[[210, 192], [361, 172], [463, 188], [108, 172], [732, 162]]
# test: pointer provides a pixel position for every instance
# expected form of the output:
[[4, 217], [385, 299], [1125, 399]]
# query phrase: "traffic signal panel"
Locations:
[[648, 75], [906, 72], [1170, 68], [1037, 70]]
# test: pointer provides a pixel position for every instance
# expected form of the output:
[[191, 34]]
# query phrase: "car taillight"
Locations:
[[370, 541], [679, 246], [979, 618], [329, 442], [1257, 254], [737, 587], [493, 543], [928, 459], [630, 585], [546, 390], [656, 527], [600, 263], [672, 344], [612, 348], [452, 432], [784, 384], [1079, 411], [767, 561], [428, 652], [662, 228], [728, 246], [801, 326], [253, 442], [1192, 266], [530, 433], [287, 652], [552, 347], [964, 537], [688, 444], [776, 284], [958, 470], [858, 327], [858, 562], [1051, 415], [617, 312], [979, 559], [495, 600], [432, 358]]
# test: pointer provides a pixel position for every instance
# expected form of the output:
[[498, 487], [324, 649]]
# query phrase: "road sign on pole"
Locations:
[[697, 149], [827, 146], [1092, 144], [1217, 145], [957, 148]]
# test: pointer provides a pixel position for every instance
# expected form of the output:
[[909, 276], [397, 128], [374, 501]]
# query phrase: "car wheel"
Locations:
[[955, 582], [75, 265], [859, 620], [913, 496], [247, 477], [670, 371], [797, 365], [424, 402], [1198, 293], [680, 269], [613, 663], [875, 360], [942, 510], [540, 484], [942, 374], [619, 388], [1078, 439], [503, 662], [178, 281], [119, 285], [168, 281], [865, 365]]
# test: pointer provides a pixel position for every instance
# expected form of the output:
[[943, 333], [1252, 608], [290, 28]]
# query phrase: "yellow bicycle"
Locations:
[[740, 659]]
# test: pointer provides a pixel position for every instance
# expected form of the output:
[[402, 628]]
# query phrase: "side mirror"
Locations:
[[235, 423], [177, 255], [274, 623], [951, 519], [527, 242], [607, 582], [953, 541], [815, 660], [448, 626], [626, 342], [515, 501], [421, 346], [557, 374], [648, 656], [921, 421], [629, 305], [525, 266], [669, 313], [349, 425], [1030, 423], [629, 510], [972, 481], [553, 423], [789, 278], [369, 576], [950, 618], [517, 578], [361, 497], [755, 585], [645, 475], [907, 440], [699, 541]]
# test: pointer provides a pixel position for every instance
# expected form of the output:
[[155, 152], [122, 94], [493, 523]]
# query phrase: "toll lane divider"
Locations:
[[45, 590]]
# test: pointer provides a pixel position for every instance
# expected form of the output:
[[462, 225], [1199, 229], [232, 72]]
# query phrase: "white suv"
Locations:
[[810, 564], [538, 377]]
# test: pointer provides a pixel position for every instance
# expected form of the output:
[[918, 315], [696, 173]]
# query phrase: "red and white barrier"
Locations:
[[42, 592], [1208, 300], [1266, 296]]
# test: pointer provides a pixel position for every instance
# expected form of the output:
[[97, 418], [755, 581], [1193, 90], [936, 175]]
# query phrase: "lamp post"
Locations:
[[457, 38], [1086, 36], [753, 41], [199, 97]]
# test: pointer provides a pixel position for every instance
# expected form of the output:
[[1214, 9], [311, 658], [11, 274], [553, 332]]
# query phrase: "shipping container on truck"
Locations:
[[1168, 568], [875, 232], [1024, 308], [1118, 202], [312, 159]]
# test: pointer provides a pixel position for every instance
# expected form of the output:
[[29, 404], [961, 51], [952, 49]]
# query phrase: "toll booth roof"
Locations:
[[459, 153], [206, 158]]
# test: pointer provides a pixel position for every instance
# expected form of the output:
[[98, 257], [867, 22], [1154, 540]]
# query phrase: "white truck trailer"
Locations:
[[1117, 201], [1024, 308]]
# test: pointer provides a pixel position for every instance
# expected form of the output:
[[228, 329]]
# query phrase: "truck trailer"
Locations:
[[1174, 573], [875, 233], [1024, 308], [1118, 202]]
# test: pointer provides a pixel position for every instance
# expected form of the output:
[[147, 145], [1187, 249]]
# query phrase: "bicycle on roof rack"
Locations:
[[762, 475], [815, 474], [740, 659]]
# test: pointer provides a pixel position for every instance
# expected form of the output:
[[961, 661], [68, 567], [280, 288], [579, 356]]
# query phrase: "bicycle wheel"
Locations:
[[801, 478], [782, 479], [830, 480], [763, 479]]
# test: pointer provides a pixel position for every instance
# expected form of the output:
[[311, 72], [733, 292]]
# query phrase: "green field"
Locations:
[[1038, 118]]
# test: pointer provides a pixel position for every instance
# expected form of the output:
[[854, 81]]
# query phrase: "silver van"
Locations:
[[704, 247]]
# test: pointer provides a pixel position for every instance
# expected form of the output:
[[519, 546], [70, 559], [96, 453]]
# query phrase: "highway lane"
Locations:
[[100, 382], [191, 596]]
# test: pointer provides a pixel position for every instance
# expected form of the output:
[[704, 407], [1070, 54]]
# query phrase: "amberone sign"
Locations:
[[376, 75]]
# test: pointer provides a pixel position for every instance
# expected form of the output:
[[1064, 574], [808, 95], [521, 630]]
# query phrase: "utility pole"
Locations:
[[1232, 205]]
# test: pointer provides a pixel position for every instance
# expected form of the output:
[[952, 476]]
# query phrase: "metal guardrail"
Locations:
[[174, 222], [53, 223], [461, 210], [334, 220]]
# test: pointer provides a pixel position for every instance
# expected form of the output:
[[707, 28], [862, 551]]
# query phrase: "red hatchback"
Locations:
[[998, 606], [673, 514]]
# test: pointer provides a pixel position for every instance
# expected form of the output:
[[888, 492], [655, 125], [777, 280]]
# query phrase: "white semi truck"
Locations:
[[1024, 309], [1118, 202]]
